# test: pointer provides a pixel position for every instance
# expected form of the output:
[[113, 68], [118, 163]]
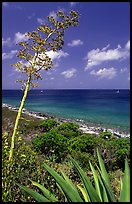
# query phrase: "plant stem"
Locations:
[[23, 101], [18, 117]]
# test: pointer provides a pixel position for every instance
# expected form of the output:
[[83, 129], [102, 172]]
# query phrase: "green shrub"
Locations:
[[82, 148], [68, 130], [84, 143], [105, 135], [48, 124], [114, 151], [52, 144], [120, 149], [83, 158]]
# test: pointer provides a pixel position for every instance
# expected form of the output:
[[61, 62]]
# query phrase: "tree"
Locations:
[[34, 57]]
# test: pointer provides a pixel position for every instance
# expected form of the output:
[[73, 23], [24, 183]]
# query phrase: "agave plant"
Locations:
[[101, 192]]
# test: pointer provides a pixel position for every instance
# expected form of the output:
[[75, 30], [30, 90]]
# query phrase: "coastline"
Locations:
[[83, 126]]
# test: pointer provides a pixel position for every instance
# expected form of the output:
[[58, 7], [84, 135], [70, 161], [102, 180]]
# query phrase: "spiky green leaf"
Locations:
[[84, 193], [68, 180], [69, 192], [125, 189], [105, 177], [38, 197], [86, 183], [96, 181], [45, 191]]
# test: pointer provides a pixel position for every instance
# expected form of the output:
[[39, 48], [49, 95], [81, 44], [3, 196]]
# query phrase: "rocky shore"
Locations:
[[83, 126]]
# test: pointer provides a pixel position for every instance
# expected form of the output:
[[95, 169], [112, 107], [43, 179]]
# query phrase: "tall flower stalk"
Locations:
[[34, 55], [18, 117]]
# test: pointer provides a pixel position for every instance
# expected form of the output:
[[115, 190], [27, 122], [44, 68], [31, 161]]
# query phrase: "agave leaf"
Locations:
[[45, 191], [121, 184], [105, 197], [66, 199], [104, 173], [110, 195], [38, 197], [105, 178], [125, 189], [69, 192], [98, 187], [104, 192], [84, 193], [68, 181], [86, 183]]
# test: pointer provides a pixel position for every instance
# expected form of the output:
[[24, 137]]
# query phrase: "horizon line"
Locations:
[[74, 89]]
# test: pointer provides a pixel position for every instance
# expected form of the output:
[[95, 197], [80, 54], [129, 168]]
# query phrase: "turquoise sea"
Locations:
[[108, 108]]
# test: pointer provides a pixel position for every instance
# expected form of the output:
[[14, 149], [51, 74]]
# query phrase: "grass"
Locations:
[[8, 120]]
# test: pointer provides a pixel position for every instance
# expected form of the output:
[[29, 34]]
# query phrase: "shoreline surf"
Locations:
[[85, 127]]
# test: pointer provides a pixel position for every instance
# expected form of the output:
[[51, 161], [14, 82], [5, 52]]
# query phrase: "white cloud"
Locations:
[[51, 71], [109, 73], [56, 55], [123, 70], [5, 4], [69, 73], [98, 56], [9, 55], [53, 13], [91, 64], [6, 42], [105, 48], [75, 43], [73, 4], [41, 21], [20, 37], [56, 64], [17, 38], [127, 46], [129, 77]]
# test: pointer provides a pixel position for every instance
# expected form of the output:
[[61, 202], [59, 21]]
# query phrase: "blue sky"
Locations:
[[95, 55]]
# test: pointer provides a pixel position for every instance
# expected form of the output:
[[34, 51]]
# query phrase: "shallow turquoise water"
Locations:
[[104, 107]]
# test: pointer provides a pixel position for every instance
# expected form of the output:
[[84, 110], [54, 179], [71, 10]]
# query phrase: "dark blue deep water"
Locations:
[[100, 107]]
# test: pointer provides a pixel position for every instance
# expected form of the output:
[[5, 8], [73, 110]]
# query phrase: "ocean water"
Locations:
[[107, 108]]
